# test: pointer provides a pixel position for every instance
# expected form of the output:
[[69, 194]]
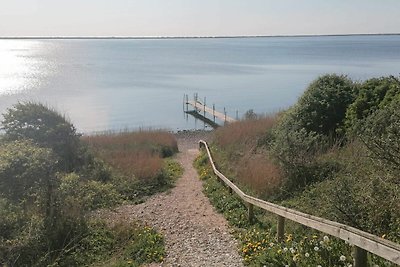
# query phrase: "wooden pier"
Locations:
[[200, 110]]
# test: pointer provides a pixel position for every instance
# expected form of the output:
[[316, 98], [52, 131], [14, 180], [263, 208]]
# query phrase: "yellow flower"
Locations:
[[289, 238]]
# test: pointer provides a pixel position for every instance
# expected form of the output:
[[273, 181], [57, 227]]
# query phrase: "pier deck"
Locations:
[[203, 108]]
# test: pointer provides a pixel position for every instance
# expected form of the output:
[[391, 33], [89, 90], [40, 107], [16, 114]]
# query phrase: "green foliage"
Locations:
[[87, 195], [259, 248], [230, 205], [257, 241], [372, 95], [47, 128], [49, 181], [322, 107], [137, 191], [309, 129], [11, 219], [26, 171], [380, 134]]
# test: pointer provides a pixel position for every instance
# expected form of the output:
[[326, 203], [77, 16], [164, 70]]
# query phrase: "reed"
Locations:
[[251, 164], [134, 153]]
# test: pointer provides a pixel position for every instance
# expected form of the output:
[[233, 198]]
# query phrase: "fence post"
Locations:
[[360, 257], [280, 229], [250, 212]]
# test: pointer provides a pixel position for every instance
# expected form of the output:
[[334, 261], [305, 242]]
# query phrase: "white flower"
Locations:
[[350, 265], [285, 249], [342, 258], [376, 265], [316, 248], [271, 244], [329, 248], [292, 250], [326, 238], [307, 255], [321, 243], [319, 265], [287, 265]]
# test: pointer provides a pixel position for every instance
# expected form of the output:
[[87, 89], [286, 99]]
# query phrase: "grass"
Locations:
[[137, 153], [258, 246], [140, 160], [123, 244], [239, 154], [243, 132]]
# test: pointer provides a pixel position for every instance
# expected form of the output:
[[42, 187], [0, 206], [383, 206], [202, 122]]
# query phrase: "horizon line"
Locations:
[[192, 37]]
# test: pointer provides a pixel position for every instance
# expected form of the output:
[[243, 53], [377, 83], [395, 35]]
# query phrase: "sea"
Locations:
[[129, 84]]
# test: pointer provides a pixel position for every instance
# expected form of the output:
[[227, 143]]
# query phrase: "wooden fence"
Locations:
[[363, 242]]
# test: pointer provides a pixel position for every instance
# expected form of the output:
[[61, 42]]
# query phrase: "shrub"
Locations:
[[380, 134], [27, 173], [322, 107], [373, 94], [47, 128], [79, 195]]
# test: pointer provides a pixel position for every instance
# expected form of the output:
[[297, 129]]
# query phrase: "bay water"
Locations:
[[114, 84]]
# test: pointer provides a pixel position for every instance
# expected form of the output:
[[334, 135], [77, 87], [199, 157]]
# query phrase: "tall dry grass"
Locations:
[[134, 153], [240, 141], [260, 174], [245, 131]]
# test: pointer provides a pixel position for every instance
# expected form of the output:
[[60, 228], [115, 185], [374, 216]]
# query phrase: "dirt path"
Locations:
[[195, 234]]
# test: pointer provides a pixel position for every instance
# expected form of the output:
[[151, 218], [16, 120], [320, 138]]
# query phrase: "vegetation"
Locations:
[[51, 178], [334, 154]]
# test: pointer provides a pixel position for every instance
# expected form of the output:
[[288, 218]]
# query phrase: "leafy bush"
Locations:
[[380, 134], [27, 173], [372, 95], [87, 195], [47, 128], [322, 107]]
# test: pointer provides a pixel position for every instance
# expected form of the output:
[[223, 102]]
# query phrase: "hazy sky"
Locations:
[[196, 17]]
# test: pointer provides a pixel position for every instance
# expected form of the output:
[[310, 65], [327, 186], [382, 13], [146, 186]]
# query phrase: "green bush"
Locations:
[[372, 95], [27, 173], [47, 128], [87, 195], [380, 134], [322, 107]]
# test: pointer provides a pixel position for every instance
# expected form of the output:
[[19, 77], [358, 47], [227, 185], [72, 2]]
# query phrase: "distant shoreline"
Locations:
[[180, 37]]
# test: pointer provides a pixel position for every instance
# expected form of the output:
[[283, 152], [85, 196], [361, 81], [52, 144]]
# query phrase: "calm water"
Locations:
[[114, 84]]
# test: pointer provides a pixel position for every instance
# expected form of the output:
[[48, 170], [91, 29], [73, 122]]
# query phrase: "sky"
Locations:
[[197, 17]]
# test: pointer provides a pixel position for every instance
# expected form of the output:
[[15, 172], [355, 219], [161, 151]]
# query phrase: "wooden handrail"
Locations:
[[360, 239]]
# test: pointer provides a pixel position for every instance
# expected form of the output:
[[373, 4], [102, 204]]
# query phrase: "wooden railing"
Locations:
[[363, 242]]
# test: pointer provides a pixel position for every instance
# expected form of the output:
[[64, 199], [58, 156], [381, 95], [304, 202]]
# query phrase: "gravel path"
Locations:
[[195, 234]]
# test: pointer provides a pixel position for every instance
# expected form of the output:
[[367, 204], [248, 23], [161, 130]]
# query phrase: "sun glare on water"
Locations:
[[19, 70]]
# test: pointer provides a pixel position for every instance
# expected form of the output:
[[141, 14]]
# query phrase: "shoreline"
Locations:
[[186, 37]]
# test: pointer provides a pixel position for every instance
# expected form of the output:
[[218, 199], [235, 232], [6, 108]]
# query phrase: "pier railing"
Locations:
[[363, 242]]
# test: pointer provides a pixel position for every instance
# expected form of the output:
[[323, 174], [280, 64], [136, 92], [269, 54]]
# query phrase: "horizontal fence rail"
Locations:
[[364, 242]]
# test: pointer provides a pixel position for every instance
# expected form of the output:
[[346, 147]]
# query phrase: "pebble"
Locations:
[[195, 234]]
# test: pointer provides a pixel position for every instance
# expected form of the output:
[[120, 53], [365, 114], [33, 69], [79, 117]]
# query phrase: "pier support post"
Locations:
[[187, 103], [224, 115], [214, 111], [204, 107]]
